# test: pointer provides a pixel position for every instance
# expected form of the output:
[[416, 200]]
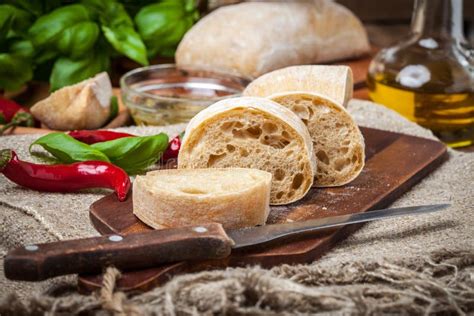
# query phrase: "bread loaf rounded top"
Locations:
[[253, 38], [261, 104], [334, 82]]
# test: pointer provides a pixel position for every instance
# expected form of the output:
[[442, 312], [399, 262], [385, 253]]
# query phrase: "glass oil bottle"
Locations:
[[429, 78]]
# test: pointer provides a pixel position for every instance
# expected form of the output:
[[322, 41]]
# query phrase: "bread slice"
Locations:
[[338, 143], [234, 197], [252, 133], [335, 82], [85, 105]]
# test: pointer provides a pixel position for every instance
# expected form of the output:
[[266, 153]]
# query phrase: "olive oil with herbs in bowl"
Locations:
[[167, 94]]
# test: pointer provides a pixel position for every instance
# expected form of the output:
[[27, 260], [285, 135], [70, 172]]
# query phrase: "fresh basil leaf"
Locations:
[[35, 7], [79, 39], [67, 149], [48, 27], [117, 27], [5, 23], [163, 24], [169, 42], [13, 21], [110, 12], [15, 71], [158, 18], [45, 54], [31, 6], [125, 40], [22, 47], [134, 154], [67, 71]]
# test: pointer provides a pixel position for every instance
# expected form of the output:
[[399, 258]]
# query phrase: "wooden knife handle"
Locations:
[[133, 251]]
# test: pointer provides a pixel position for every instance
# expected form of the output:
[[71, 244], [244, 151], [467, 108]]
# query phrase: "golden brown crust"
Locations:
[[335, 82]]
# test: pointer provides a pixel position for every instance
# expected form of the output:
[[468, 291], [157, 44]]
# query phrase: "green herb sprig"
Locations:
[[133, 154]]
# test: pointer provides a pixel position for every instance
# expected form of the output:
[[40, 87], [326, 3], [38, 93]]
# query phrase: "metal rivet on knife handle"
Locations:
[[115, 238], [200, 229], [31, 247]]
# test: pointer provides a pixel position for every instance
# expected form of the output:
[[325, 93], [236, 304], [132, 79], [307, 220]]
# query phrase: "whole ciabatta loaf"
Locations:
[[335, 82], [338, 143], [234, 197], [253, 38], [253, 133]]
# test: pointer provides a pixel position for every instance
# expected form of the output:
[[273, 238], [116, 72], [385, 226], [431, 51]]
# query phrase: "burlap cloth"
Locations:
[[411, 265]]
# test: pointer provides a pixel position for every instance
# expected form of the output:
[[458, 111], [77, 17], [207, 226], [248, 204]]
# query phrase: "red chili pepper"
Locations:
[[64, 178], [92, 137], [8, 109], [173, 149], [12, 114]]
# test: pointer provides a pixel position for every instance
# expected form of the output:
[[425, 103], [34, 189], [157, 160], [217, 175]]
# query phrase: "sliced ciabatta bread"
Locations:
[[335, 82], [252, 133], [338, 143], [234, 197]]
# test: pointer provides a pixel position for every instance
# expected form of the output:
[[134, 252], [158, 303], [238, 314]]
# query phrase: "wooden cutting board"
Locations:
[[394, 163]]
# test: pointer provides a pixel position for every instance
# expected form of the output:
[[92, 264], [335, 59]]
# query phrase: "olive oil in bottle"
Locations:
[[429, 78]]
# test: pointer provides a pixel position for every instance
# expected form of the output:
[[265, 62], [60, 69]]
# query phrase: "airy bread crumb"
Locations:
[[338, 143], [252, 133]]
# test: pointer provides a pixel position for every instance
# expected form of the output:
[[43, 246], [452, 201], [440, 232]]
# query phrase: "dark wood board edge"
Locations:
[[101, 227]]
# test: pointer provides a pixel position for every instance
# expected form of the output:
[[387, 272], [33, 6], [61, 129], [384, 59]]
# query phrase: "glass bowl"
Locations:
[[167, 94]]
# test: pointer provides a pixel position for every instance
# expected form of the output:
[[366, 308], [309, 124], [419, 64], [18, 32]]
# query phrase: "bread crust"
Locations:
[[192, 155], [85, 105], [253, 38], [193, 201], [331, 126], [335, 82]]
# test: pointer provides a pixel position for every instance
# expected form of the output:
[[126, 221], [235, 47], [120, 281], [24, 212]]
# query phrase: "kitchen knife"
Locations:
[[149, 249]]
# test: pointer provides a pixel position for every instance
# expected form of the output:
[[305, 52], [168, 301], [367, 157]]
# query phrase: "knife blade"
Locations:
[[144, 250]]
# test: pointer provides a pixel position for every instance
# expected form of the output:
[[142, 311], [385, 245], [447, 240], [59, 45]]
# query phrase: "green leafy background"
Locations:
[[68, 41]]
